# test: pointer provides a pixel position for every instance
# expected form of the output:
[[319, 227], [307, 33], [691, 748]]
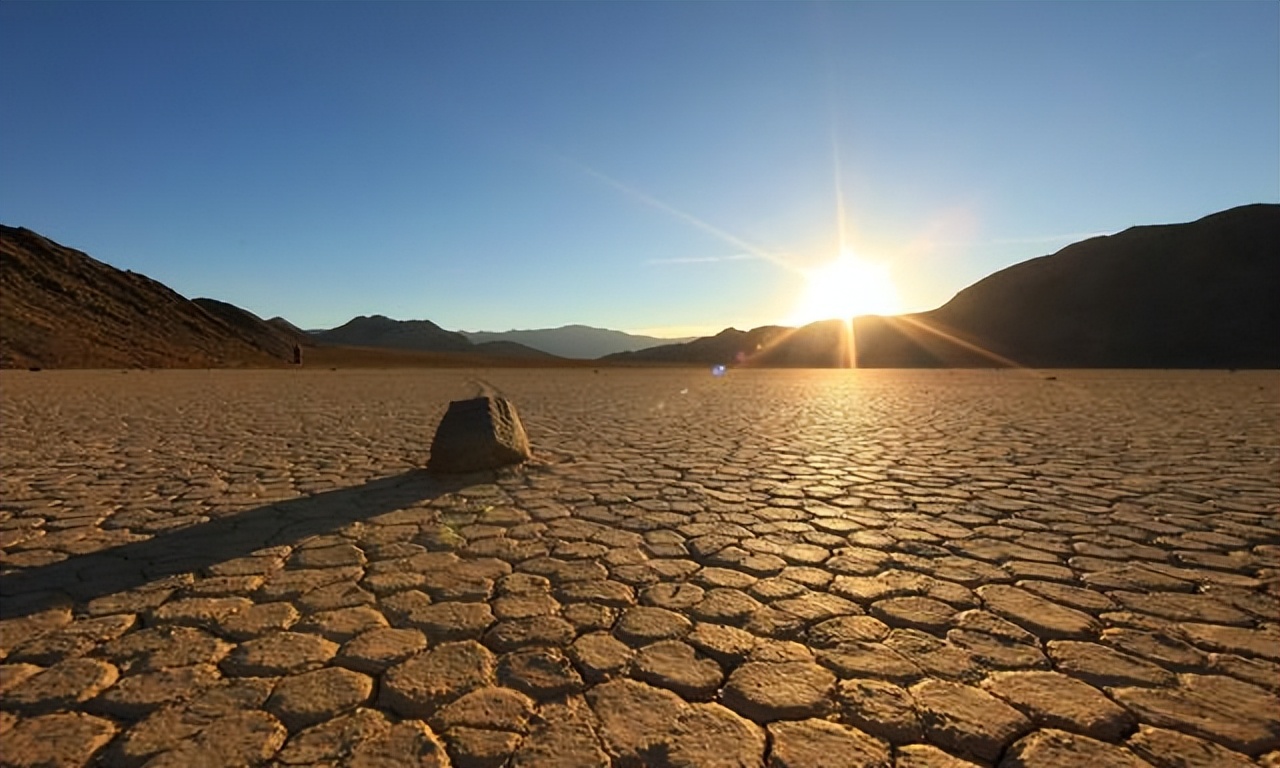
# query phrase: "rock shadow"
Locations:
[[194, 548]]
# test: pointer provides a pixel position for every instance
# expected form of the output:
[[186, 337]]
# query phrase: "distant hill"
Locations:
[[422, 335], [60, 308], [382, 331], [581, 342], [728, 346], [291, 331], [1204, 294]]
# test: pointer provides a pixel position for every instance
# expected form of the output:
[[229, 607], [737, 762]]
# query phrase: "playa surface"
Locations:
[[791, 568]]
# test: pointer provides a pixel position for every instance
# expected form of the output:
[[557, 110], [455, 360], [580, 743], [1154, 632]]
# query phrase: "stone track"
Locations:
[[782, 568]]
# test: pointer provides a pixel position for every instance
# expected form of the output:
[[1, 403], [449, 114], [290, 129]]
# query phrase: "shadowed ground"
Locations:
[[930, 568]]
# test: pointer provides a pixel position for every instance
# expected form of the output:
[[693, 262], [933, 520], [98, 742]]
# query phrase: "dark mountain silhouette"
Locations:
[[1204, 294], [422, 335], [728, 346], [580, 342], [382, 331], [291, 331], [61, 308]]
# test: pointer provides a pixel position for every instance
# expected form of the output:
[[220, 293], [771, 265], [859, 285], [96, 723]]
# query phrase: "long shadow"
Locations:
[[194, 548]]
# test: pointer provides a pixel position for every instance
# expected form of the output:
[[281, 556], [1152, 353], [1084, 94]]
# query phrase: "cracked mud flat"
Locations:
[[791, 568]]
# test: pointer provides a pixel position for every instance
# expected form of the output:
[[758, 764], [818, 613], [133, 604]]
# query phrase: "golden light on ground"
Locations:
[[846, 287]]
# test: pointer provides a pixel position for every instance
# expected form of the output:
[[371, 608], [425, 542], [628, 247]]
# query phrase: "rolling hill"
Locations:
[[580, 342]]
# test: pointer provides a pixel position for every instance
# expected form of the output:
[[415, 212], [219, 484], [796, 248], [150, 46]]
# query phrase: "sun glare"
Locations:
[[845, 288]]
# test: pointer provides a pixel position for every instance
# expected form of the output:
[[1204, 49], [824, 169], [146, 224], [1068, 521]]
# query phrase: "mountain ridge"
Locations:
[[1200, 294], [574, 341]]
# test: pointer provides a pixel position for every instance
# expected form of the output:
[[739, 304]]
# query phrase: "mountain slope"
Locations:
[[382, 332], [1204, 294], [581, 342], [61, 308], [1200, 294], [261, 333]]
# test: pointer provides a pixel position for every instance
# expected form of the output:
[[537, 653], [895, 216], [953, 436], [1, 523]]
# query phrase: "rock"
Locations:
[[1042, 617], [12, 675], [1246, 642], [1054, 700], [674, 665], [1170, 749], [1050, 748], [378, 649], [563, 738], [444, 622], [281, 653], [928, 756], [727, 645], [428, 681], [1155, 647], [542, 673], [63, 685], [171, 727], [600, 656], [790, 690], [710, 736], [258, 620], [241, 738], [843, 630], [998, 652], [914, 612], [479, 748], [312, 697], [881, 709], [135, 696], [967, 720], [409, 742], [633, 717], [871, 660], [204, 612], [535, 630], [641, 625], [478, 434], [163, 647], [59, 739], [491, 708], [936, 657], [822, 744], [1249, 727], [1103, 666], [343, 624], [332, 741]]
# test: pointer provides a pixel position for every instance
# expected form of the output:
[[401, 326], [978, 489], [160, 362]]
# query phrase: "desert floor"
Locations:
[[798, 568]]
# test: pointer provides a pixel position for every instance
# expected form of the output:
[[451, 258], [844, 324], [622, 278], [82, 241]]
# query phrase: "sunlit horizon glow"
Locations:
[[846, 287]]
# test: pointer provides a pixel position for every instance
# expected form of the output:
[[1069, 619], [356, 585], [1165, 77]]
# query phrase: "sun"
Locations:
[[845, 288]]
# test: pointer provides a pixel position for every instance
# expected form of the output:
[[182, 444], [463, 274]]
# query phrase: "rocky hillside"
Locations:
[[1204, 294], [60, 308]]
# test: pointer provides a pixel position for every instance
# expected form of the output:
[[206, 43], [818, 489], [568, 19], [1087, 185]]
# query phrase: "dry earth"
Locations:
[[783, 568]]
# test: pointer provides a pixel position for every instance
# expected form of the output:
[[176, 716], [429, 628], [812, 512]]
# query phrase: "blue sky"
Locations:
[[649, 166]]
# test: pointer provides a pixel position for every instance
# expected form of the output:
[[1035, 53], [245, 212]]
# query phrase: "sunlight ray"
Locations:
[[689, 218], [970, 346]]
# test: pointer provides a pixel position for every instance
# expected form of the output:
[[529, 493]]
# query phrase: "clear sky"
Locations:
[[651, 166]]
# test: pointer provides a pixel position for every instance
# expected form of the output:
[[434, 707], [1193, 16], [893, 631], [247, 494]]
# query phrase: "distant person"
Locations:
[[297, 354]]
